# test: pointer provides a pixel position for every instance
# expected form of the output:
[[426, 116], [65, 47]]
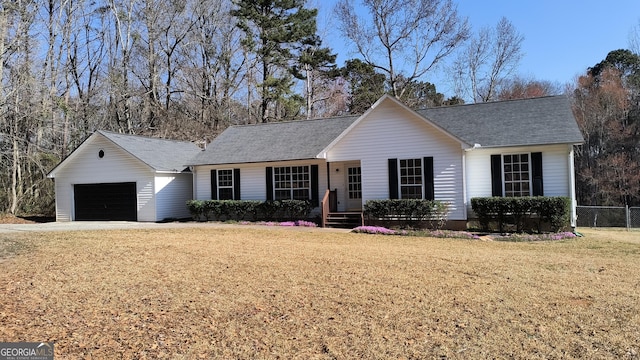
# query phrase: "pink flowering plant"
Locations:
[[377, 230], [302, 223]]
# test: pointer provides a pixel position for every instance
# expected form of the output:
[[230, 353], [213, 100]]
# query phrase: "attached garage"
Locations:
[[117, 177], [105, 202]]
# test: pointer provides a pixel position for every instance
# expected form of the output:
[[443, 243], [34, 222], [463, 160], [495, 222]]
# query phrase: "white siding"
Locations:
[[253, 184], [555, 170], [116, 166], [390, 131], [172, 193]]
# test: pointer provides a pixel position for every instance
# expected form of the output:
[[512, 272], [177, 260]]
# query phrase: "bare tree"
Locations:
[[162, 29], [18, 107], [74, 53], [120, 60], [403, 38], [634, 39], [214, 67], [524, 88], [87, 62], [488, 59]]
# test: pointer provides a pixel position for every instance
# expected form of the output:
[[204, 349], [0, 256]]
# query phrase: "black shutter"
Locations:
[[214, 184], [429, 192], [269, 172], [314, 186], [496, 175], [393, 178], [536, 174], [236, 184]]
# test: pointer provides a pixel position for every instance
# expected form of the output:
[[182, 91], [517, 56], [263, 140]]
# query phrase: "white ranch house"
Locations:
[[451, 154]]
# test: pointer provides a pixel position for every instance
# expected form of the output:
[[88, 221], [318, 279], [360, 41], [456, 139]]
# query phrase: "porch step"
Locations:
[[348, 220]]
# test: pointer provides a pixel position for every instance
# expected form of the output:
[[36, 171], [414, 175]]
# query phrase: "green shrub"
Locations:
[[253, 209], [409, 212], [518, 211], [196, 208], [296, 209]]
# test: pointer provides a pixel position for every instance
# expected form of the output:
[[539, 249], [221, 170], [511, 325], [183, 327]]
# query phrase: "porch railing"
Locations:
[[324, 206], [328, 204]]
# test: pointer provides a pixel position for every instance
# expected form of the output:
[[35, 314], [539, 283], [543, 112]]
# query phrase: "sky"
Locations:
[[562, 38]]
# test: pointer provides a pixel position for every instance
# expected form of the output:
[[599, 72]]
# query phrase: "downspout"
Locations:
[[466, 202], [572, 188], [464, 186], [194, 182]]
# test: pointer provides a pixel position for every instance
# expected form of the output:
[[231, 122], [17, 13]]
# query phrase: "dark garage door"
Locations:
[[109, 201]]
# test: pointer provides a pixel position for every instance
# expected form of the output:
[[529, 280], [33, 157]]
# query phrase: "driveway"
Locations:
[[119, 225]]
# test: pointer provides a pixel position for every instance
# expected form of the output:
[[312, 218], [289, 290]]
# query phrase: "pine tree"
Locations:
[[366, 85], [314, 64], [273, 28]]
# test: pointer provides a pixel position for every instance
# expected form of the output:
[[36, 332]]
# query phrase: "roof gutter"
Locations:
[[478, 146]]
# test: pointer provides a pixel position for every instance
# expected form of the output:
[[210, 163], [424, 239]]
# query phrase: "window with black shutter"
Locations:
[[517, 174], [411, 178]]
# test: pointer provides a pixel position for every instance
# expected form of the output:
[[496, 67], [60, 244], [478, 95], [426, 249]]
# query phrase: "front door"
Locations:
[[354, 187]]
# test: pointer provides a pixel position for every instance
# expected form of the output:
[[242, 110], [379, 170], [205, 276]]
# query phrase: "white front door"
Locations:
[[353, 191]]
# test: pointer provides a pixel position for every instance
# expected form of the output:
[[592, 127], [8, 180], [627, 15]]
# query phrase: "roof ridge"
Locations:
[[494, 102], [108, 132], [295, 121]]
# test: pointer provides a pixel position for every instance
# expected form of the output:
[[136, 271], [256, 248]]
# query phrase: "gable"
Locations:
[[150, 153], [391, 128], [115, 165], [87, 155]]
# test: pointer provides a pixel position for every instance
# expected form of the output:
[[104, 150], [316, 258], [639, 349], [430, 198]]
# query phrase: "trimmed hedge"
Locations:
[[249, 209], [409, 212], [527, 214]]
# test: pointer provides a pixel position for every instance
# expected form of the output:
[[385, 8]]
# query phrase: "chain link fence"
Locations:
[[608, 216]]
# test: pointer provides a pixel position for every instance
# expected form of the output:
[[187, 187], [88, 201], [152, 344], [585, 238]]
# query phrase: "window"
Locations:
[[225, 184], [411, 179], [517, 179], [292, 183], [355, 182]]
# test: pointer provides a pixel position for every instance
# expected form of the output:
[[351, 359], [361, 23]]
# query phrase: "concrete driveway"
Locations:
[[119, 225]]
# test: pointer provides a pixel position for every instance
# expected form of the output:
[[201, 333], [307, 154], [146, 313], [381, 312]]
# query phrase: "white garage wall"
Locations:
[[172, 192], [85, 167]]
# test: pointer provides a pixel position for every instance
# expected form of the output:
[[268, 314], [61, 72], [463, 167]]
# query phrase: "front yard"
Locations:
[[308, 294]]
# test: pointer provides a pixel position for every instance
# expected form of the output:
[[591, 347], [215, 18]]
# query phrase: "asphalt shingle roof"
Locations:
[[292, 140], [537, 121], [159, 154]]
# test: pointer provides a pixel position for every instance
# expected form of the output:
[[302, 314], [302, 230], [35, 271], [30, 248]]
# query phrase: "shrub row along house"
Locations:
[[450, 154]]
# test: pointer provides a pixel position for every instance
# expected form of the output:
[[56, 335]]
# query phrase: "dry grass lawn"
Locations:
[[309, 294]]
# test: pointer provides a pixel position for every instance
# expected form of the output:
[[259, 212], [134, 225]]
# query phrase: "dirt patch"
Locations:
[[12, 219], [275, 293], [35, 219]]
